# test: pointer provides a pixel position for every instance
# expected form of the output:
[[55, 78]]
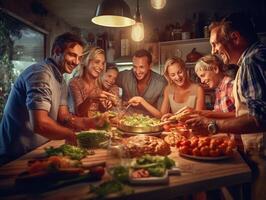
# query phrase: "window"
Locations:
[[20, 46]]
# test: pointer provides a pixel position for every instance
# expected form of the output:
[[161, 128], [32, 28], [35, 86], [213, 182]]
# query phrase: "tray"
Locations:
[[204, 157]]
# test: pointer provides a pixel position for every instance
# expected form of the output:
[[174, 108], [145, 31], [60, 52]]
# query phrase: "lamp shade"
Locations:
[[113, 13], [158, 4], [137, 33]]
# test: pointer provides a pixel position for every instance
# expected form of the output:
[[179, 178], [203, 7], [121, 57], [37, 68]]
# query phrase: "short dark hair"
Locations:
[[63, 40], [144, 53], [239, 22], [111, 66]]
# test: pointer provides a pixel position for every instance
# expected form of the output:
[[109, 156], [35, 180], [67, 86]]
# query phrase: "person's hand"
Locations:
[[135, 101], [197, 123], [100, 121], [166, 116]]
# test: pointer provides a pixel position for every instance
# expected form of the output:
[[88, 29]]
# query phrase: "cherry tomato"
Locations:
[[196, 151], [205, 151], [184, 149]]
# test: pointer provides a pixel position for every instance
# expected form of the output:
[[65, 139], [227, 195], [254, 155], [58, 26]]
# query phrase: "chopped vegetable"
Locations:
[[110, 187], [119, 173], [155, 165], [93, 139], [70, 151]]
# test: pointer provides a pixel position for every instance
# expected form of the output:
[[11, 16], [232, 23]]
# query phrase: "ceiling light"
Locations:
[[137, 32], [113, 13], [158, 4]]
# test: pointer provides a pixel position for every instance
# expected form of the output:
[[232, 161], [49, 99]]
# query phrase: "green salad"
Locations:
[[93, 139], [139, 120], [70, 151], [155, 165]]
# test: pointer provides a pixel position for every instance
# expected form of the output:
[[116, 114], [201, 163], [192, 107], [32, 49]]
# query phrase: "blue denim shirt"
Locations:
[[39, 87]]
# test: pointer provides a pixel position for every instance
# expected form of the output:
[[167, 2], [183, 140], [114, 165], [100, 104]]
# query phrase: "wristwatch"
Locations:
[[212, 127]]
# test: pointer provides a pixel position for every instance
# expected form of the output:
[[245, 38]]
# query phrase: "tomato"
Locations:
[[194, 143], [205, 151], [196, 151], [215, 152], [229, 151], [202, 143], [184, 149], [207, 140], [194, 137], [232, 143], [223, 147], [178, 143], [185, 143]]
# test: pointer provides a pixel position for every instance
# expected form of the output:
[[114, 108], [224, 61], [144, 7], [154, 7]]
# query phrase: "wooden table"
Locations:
[[195, 176]]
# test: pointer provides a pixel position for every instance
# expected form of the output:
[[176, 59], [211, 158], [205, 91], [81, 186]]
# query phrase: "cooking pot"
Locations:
[[193, 56]]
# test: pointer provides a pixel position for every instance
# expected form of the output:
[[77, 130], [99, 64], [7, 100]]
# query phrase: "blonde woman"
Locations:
[[84, 89], [180, 91]]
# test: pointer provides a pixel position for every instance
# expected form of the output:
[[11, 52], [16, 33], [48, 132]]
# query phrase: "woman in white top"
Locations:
[[180, 91]]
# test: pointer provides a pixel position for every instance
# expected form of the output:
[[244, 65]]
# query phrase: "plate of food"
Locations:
[[138, 145], [141, 176], [206, 148], [149, 169], [138, 123]]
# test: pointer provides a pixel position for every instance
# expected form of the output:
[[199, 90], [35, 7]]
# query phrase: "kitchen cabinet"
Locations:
[[181, 48]]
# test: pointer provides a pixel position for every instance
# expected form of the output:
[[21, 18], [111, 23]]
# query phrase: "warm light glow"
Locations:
[[158, 4], [113, 21], [137, 33]]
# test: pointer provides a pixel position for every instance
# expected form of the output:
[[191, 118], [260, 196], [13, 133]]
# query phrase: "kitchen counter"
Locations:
[[195, 176]]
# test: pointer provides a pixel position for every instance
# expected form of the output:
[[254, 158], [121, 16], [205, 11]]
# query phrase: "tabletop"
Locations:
[[195, 176]]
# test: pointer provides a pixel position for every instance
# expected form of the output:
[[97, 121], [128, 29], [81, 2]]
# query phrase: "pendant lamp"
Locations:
[[113, 13], [158, 4], [137, 32]]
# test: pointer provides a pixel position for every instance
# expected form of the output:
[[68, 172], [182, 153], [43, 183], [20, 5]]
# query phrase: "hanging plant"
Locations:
[[9, 28]]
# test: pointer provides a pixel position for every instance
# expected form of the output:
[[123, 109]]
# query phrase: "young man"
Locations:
[[142, 83], [36, 110]]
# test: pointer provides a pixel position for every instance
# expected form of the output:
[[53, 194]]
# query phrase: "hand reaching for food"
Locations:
[[135, 101]]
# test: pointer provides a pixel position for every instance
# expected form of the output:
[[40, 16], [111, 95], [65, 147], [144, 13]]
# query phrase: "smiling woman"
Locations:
[[85, 92]]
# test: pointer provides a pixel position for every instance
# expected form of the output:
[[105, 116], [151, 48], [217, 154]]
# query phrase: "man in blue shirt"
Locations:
[[36, 110]]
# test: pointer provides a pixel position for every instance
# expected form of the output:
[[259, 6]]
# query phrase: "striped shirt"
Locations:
[[252, 76]]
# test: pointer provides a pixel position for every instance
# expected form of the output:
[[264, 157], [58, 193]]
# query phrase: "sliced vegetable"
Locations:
[[70, 151]]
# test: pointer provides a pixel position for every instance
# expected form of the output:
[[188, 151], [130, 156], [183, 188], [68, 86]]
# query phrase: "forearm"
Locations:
[[240, 125], [216, 114], [52, 130], [156, 113], [77, 123]]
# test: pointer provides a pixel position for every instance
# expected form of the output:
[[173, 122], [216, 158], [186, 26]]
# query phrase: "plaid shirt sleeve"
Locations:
[[224, 100], [253, 83]]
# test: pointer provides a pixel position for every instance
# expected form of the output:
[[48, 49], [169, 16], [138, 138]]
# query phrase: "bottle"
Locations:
[[125, 45], [110, 54], [195, 26]]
